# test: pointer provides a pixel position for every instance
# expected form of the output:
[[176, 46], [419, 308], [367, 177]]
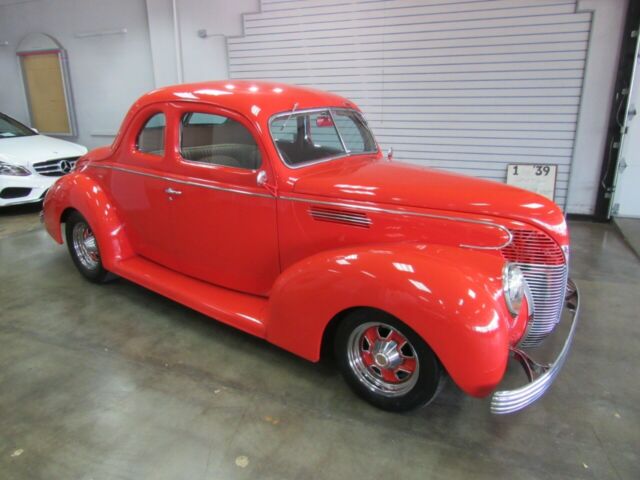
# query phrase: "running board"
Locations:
[[242, 311]]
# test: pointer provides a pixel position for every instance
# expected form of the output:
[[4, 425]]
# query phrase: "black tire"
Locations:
[[86, 260], [412, 390]]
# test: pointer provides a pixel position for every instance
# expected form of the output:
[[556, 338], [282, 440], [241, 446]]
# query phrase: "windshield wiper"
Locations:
[[295, 105]]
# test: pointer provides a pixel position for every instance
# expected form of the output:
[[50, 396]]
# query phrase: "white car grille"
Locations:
[[55, 168]]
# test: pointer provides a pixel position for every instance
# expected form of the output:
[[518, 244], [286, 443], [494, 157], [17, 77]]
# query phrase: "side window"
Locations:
[[151, 137], [218, 140]]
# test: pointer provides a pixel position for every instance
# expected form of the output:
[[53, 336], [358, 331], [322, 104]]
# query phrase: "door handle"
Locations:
[[171, 191]]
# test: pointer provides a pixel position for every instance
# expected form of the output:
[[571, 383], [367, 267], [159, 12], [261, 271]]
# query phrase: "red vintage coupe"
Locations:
[[271, 208]]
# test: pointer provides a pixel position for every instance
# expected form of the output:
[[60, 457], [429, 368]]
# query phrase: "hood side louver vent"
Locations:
[[344, 217]]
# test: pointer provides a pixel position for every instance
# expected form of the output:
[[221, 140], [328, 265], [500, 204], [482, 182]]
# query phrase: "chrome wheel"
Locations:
[[383, 359], [85, 246]]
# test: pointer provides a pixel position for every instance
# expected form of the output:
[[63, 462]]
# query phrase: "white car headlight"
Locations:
[[514, 286], [13, 170]]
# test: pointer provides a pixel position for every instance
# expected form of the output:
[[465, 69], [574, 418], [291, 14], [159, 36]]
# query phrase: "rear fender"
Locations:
[[82, 193], [451, 297]]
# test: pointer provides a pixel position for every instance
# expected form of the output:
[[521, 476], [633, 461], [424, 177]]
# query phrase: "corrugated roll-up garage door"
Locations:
[[468, 86]]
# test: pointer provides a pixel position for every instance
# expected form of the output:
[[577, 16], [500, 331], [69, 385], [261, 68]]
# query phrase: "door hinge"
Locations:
[[615, 209], [622, 165]]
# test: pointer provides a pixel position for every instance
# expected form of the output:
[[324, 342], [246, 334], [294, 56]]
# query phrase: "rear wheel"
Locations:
[[84, 250], [385, 362]]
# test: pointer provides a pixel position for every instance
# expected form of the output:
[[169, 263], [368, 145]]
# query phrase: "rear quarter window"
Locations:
[[151, 137]]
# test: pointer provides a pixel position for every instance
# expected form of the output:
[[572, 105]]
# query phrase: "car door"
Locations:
[[138, 187], [224, 221]]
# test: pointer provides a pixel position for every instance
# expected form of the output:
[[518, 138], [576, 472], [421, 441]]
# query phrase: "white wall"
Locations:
[[201, 58], [163, 42], [206, 58], [107, 73]]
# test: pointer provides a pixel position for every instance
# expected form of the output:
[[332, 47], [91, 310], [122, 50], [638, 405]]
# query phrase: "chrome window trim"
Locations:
[[183, 182], [344, 145], [321, 160]]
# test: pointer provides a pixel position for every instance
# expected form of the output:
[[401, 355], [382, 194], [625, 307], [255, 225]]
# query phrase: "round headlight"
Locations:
[[514, 285]]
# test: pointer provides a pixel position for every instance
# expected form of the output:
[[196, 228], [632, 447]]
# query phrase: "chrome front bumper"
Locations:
[[541, 376]]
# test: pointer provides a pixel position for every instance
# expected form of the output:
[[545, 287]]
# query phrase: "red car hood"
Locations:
[[403, 184]]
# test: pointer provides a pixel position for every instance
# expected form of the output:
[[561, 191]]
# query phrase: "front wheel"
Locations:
[[84, 250], [385, 362]]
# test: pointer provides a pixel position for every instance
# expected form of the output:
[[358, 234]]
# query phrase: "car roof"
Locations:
[[251, 98]]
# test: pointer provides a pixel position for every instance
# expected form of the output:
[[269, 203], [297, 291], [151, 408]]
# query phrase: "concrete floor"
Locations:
[[115, 382], [630, 230], [19, 219]]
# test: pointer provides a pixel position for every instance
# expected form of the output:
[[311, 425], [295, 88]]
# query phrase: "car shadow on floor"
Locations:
[[198, 346]]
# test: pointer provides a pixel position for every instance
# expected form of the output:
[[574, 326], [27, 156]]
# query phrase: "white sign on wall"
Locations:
[[536, 178]]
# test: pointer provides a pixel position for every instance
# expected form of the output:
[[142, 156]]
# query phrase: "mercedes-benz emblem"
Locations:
[[65, 166]]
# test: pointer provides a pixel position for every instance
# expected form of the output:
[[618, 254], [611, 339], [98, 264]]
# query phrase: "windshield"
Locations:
[[310, 136], [12, 128]]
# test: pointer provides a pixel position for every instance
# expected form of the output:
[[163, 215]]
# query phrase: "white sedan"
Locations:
[[30, 163]]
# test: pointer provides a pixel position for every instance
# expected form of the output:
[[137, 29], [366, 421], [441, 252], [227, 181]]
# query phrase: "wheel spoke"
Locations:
[[395, 336], [372, 336], [367, 358], [85, 246], [389, 375], [408, 365]]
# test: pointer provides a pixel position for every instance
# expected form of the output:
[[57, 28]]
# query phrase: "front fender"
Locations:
[[451, 297], [84, 194]]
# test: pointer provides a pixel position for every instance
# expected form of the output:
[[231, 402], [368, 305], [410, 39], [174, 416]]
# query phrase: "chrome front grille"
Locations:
[[533, 247], [544, 266], [55, 168], [548, 284]]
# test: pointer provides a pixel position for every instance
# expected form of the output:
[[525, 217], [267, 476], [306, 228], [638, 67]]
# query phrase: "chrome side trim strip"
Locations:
[[352, 206], [369, 208], [182, 182], [509, 401]]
